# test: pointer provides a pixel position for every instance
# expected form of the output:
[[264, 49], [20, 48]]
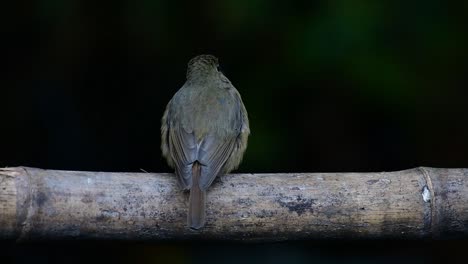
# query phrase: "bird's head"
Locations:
[[202, 66]]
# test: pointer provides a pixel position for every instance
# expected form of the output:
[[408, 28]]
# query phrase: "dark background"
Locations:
[[329, 86]]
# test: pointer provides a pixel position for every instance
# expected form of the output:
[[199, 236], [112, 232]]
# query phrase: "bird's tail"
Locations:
[[196, 213]]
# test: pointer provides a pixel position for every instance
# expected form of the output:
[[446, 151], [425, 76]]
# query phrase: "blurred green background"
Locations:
[[329, 86]]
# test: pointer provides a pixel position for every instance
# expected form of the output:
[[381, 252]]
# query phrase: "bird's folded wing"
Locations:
[[183, 149], [213, 154]]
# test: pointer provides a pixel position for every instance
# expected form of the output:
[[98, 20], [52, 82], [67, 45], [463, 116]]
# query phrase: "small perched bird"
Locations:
[[204, 132]]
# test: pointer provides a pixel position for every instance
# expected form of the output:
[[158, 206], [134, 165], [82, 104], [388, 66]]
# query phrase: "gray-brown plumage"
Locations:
[[204, 132]]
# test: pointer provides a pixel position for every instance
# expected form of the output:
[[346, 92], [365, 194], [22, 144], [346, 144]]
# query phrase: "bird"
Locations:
[[204, 132]]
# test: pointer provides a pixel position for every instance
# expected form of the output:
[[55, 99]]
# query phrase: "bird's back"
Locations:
[[211, 111]]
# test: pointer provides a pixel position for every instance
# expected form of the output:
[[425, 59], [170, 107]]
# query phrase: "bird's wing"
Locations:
[[213, 153], [220, 154], [241, 125], [183, 149]]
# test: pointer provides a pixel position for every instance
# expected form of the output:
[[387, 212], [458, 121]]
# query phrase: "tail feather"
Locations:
[[196, 213]]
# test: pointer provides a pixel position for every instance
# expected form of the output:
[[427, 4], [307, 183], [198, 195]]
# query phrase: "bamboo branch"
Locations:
[[416, 203]]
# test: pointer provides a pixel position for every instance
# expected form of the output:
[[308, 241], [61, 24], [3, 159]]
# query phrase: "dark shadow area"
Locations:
[[390, 251]]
